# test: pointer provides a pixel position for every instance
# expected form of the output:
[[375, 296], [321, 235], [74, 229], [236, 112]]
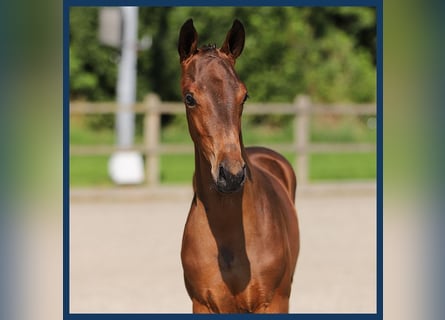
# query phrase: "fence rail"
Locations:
[[152, 108]]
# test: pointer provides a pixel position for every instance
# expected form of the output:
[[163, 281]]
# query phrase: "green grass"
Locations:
[[89, 171], [178, 169], [342, 166], [323, 167], [177, 132], [81, 134]]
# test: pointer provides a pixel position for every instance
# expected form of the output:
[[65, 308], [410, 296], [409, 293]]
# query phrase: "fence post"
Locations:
[[152, 126], [302, 137]]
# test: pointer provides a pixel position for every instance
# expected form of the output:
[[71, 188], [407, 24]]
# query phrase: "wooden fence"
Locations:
[[152, 108]]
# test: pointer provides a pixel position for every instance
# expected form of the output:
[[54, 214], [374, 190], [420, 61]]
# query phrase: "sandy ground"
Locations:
[[125, 253]]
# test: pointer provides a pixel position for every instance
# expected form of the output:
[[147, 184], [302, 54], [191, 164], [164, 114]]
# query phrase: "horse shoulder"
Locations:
[[278, 178], [198, 245], [274, 164]]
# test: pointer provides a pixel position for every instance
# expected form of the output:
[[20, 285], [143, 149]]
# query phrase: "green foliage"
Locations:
[[336, 75], [92, 66], [326, 52]]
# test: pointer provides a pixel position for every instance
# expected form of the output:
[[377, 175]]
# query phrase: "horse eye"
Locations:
[[189, 100], [245, 97]]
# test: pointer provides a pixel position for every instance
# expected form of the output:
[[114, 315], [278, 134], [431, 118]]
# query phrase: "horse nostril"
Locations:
[[243, 173], [230, 182], [222, 173]]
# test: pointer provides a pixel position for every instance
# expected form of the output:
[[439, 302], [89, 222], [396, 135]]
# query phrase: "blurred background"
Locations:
[[328, 54], [31, 159], [311, 77]]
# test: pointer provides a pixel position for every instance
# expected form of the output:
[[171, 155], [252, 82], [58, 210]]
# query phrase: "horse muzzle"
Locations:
[[230, 180]]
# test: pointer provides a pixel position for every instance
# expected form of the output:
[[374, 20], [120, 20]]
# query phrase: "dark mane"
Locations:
[[208, 47]]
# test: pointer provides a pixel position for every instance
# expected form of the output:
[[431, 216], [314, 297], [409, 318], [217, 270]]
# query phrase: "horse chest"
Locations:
[[232, 268], [234, 280]]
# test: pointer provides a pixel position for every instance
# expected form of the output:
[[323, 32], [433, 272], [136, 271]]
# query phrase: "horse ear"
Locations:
[[234, 43], [188, 40]]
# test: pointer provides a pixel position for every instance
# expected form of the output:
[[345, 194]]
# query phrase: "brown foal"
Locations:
[[241, 238]]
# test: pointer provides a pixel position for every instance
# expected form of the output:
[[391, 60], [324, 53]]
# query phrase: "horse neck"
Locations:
[[223, 209]]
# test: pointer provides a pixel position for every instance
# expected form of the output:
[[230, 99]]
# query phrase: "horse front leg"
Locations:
[[200, 308], [279, 304]]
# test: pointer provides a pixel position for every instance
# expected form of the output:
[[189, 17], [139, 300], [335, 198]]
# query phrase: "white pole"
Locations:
[[126, 81], [126, 167]]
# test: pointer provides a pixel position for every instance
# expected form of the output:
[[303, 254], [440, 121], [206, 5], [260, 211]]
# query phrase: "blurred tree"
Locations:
[[93, 66], [327, 52]]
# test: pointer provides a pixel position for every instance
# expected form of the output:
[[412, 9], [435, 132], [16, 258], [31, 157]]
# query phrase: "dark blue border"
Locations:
[[378, 4], [66, 159], [379, 48], [163, 316], [227, 3]]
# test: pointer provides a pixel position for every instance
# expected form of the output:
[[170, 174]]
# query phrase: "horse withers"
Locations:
[[241, 238]]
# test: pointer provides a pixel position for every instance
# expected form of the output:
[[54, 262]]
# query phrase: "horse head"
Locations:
[[214, 97]]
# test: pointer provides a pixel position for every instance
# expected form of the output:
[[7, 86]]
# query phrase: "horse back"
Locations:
[[276, 165]]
